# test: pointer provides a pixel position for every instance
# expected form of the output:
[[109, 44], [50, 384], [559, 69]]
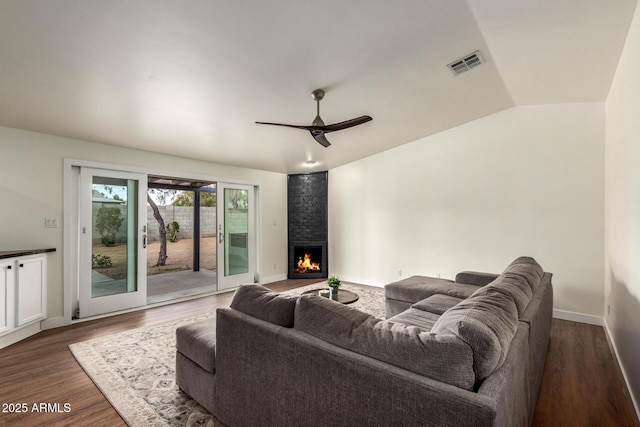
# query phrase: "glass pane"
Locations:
[[236, 227], [208, 235], [114, 250], [171, 213]]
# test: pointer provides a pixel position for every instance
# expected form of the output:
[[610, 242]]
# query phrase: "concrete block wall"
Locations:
[[182, 214]]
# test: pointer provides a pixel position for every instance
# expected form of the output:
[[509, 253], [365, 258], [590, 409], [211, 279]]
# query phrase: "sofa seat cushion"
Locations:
[[437, 304], [416, 288], [445, 358], [416, 317], [264, 304], [197, 341], [487, 323]]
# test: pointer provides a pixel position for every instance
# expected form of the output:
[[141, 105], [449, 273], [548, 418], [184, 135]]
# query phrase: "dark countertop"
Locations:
[[24, 252]]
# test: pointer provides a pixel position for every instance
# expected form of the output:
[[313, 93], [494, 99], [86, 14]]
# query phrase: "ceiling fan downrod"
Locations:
[[317, 96]]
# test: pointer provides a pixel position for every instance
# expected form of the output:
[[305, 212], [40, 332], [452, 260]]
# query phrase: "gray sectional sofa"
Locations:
[[468, 352]]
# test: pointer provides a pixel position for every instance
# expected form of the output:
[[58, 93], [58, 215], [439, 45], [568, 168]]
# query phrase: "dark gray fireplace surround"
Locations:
[[307, 213]]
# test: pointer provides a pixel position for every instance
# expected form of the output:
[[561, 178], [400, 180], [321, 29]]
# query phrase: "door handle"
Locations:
[[221, 237], [144, 240]]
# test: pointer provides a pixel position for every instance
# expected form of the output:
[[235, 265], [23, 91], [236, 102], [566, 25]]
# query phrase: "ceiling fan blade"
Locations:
[[319, 136], [318, 128], [286, 125], [347, 124]]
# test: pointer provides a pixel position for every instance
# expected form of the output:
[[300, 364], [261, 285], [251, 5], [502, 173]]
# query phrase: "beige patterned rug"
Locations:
[[135, 370]]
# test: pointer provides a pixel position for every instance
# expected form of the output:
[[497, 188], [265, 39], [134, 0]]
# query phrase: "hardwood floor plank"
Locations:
[[580, 387]]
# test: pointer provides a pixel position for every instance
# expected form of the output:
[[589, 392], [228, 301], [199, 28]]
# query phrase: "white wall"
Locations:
[[524, 181], [31, 189], [622, 217]]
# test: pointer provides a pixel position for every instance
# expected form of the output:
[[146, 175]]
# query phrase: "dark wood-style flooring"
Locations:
[[581, 385]]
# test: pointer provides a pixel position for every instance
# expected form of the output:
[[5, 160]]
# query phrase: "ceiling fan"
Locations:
[[317, 128]]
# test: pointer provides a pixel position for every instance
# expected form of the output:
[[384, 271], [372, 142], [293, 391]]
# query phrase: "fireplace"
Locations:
[[307, 212], [307, 260]]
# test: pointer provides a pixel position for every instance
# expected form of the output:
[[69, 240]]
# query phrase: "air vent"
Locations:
[[465, 64]]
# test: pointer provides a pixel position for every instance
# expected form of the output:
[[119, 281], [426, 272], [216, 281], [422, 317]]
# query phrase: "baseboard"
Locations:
[[19, 334], [578, 317], [633, 403], [361, 281], [54, 322], [271, 279]]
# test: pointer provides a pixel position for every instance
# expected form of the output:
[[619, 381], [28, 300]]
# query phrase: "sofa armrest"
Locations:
[[475, 278]]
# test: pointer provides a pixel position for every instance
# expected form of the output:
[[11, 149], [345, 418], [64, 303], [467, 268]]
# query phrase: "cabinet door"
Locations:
[[30, 290], [7, 275]]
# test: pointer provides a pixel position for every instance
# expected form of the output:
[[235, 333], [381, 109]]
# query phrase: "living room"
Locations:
[[555, 179]]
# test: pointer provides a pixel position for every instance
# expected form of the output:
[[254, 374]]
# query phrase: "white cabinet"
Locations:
[[30, 289], [22, 292], [7, 287]]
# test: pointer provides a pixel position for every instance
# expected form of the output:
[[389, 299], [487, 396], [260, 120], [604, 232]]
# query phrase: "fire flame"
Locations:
[[305, 264]]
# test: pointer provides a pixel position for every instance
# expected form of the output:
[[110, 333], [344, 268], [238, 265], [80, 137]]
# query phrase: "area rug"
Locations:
[[135, 370]]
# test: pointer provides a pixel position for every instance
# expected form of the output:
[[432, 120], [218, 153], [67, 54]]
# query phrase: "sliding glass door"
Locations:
[[113, 225], [236, 235]]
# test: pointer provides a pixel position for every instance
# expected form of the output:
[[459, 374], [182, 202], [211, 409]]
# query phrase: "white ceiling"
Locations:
[[190, 77]]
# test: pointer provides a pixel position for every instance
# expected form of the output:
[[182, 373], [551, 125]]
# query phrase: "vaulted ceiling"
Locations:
[[191, 77]]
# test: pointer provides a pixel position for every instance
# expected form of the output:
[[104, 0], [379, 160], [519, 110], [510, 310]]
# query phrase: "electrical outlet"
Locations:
[[274, 266], [399, 273], [51, 222], [608, 309]]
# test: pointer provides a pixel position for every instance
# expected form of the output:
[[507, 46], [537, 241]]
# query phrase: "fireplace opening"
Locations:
[[307, 259]]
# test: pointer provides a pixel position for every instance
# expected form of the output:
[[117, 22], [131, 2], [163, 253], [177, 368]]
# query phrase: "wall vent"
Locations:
[[466, 63]]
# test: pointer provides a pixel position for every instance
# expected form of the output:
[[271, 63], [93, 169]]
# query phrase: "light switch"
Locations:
[[51, 222]]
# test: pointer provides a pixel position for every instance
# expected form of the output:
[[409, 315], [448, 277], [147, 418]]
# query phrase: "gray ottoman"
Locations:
[[196, 359]]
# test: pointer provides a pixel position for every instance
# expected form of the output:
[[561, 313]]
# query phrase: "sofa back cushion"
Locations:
[[487, 322], [475, 278], [512, 285], [528, 269], [444, 358], [519, 281], [264, 304]]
